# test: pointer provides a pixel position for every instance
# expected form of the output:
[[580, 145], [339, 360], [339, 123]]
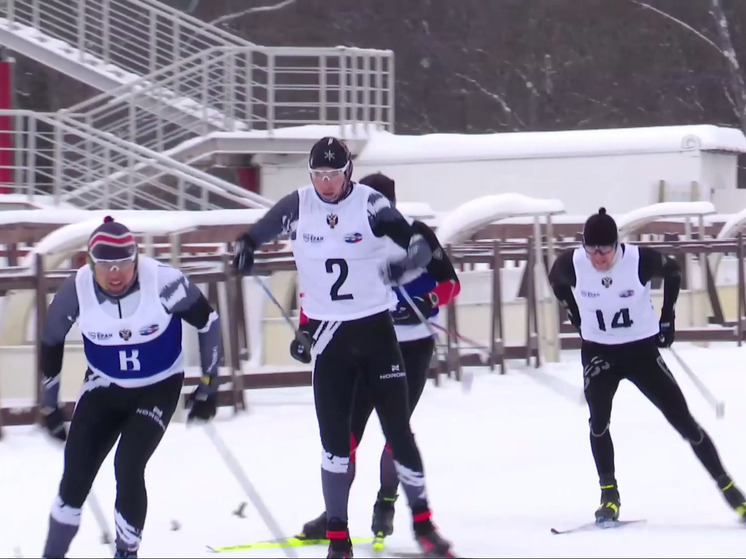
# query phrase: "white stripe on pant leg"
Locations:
[[324, 337], [322, 325], [411, 478], [65, 514], [126, 533], [334, 464]]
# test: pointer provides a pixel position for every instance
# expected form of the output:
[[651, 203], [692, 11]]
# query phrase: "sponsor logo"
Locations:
[[310, 238], [99, 335], [396, 372], [156, 415], [627, 293], [148, 330], [353, 238], [590, 294]]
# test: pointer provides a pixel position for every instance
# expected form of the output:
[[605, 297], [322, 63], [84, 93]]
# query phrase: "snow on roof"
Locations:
[[386, 148], [381, 147], [635, 219], [468, 218]]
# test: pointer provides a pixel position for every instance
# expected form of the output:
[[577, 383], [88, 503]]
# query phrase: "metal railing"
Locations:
[[248, 88], [92, 169], [137, 36]]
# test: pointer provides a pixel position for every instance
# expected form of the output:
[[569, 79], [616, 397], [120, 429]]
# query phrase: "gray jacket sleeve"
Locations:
[[61, 315], [280, 218], [386, 220], [183, 299]]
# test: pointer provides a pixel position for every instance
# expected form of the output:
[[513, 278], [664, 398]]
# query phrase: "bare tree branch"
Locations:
[[491, 94], [255, 9], [681, 23], [737, 85]]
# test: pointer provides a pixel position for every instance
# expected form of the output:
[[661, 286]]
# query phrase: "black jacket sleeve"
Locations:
[[562, 279], [386, 220], [440, 267], [654, 264]]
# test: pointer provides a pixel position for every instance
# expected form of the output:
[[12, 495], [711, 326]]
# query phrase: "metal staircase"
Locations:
[[106, 43], [178, 90], [252, 90], [92, 169]]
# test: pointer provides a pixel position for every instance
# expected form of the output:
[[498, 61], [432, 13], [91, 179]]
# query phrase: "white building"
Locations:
[[622, 168]]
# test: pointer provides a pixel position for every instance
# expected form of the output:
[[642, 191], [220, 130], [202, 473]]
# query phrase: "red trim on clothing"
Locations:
[[446, 291]]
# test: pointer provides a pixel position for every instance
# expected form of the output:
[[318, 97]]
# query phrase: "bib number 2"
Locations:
[[344, 270], [621, 319]]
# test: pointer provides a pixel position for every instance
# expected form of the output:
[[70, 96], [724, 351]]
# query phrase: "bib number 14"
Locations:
[[621, 319]]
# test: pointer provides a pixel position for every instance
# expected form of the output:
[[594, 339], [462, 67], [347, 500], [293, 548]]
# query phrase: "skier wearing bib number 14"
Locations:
[[338, 231], [605, 289]]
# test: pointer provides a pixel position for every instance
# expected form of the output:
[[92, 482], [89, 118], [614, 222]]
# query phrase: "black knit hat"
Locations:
[[600, 230], [112, 241], [328, 152], [381, 183]]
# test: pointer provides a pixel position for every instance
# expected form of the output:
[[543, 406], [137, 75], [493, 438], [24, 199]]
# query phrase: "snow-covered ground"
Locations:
[[505, 463]]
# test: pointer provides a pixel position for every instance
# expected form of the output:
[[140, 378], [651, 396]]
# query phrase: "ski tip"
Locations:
[[555, 531]]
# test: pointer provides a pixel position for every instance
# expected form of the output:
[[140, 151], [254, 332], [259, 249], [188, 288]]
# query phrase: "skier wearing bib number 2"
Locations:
[[338, 231], [605, 289]]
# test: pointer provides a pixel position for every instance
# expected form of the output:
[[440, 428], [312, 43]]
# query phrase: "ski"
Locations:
[[293, 541], [610, 524], [410, 554]]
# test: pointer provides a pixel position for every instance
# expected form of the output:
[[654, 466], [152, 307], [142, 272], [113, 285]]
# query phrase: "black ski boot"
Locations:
[[610, 503], [733, 496], [430, 541], [383, 517], [340, 545], [314, 529]]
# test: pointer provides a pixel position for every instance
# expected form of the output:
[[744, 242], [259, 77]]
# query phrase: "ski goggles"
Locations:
[[599, 249], [121, 265], [329, 174]]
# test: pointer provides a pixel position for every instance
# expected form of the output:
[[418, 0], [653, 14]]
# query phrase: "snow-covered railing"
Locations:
[[461, 223], [631, 221], [79, 224]]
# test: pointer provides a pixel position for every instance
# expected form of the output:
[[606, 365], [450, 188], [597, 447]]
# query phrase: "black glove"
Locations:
[[243, 254], [391, 272], [300, 347], [667, 330], [571, 316], [403, 314], [54, 423], [203, 402]]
